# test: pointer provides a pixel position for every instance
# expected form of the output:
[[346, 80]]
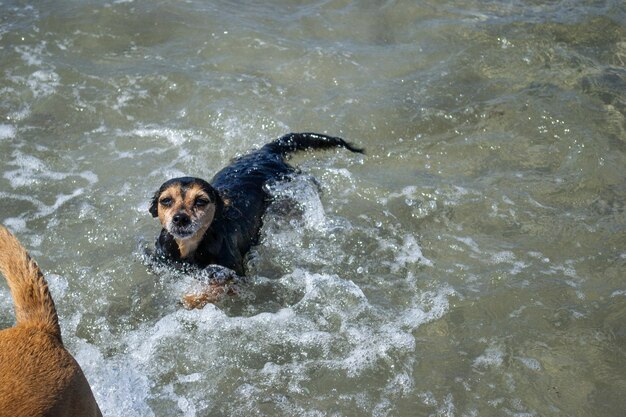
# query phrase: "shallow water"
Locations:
[[471, 264]]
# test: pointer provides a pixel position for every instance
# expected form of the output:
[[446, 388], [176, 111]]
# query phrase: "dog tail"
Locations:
[[293, 142], [33, 303]]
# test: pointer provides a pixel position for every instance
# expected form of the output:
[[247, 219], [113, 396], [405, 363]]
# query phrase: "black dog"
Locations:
[[216, 223]]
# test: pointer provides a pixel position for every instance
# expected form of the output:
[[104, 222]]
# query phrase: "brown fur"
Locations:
[[210, 293], [38, 377], [183, 201]]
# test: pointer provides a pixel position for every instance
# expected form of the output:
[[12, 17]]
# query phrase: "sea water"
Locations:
[[471, 263]]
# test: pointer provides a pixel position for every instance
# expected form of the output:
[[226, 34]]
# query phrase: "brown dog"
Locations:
[[38, 377]]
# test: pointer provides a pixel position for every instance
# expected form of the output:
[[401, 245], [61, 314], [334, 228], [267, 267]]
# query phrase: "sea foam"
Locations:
[[6, 131]]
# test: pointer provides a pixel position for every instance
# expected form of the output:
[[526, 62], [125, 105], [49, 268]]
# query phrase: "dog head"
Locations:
[[185, 206]]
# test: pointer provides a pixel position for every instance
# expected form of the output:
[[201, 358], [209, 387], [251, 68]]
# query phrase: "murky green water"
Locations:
[[471, 264]]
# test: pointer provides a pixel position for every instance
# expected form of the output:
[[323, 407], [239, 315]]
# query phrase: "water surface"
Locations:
[[471, 264]]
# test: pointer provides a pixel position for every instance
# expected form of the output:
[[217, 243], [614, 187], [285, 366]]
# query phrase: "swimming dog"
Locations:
[[38, 377], [217, 223]]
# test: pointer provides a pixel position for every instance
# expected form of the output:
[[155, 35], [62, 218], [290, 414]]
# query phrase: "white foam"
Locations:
[[408, 192], [195, 377], [120, 387], [344, 173], [32, 55], [32, 170], [20, 114], [176, 137], [42, 209], [333, 328], [303, 190], [172, 136], [502, 257], [518, 267], [370, 342], [315, 217], [146, 343], [428, 306], [469, 242], [7, 131], [43, 83], [16, 224], [409, 253], [58, 285], [530, 363], [318, 285], [447, 408], [187, 407], [618, 293], [493, 356], [450, 196], [28, 167]]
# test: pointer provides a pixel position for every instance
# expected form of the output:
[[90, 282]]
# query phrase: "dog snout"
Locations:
[[181, 219]]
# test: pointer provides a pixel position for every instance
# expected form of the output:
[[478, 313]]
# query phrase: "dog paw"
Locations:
[[211, 293], [213, 283], [217, 274]]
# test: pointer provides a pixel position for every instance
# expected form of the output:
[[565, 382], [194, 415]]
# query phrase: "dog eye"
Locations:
[[167, 201], [201, 202]]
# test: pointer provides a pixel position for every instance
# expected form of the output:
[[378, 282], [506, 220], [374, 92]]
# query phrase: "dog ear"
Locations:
[[154, 206], [213, 193]]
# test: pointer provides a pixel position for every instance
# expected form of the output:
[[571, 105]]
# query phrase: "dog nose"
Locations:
[[181, 219]]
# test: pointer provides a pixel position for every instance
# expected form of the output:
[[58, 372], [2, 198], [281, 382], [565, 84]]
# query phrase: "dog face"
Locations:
[[185, 207]]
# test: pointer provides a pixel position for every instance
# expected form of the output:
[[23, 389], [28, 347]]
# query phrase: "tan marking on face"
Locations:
[[165, 213], [186, 201]]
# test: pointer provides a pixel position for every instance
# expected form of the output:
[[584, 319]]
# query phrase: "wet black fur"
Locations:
[[241, 200]]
